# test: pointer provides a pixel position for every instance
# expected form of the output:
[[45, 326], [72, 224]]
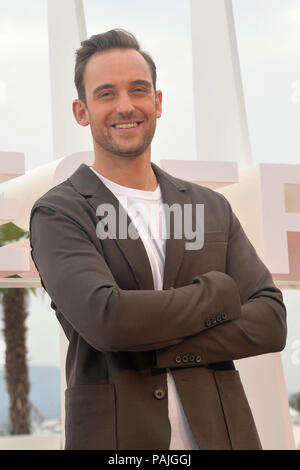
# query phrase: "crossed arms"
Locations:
[[109, 318]]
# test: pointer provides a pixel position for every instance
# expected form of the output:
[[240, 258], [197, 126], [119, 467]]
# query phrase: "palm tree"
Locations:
[[15, 311]]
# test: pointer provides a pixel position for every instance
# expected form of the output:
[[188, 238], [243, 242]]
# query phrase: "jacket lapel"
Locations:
[[173, 191]]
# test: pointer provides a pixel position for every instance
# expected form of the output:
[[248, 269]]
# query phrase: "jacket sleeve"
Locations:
[[84, 291], [261, 327]]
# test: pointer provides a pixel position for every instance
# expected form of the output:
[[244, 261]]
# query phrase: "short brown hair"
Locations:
[[115, 38]]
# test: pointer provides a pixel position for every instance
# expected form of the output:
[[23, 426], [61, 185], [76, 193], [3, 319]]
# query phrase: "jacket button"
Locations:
[[219, 318], [191, 357], [185, 358], [178, 359], [224, 316], [208, 323], [198, 359], [213, 320], [159, 393]]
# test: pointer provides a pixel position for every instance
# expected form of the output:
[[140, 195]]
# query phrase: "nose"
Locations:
[[125, 105]]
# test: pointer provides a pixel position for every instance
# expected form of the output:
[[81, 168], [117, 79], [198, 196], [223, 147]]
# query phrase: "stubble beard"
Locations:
[[108, 143]]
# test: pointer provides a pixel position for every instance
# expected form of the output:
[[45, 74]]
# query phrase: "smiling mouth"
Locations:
[[127, 125]]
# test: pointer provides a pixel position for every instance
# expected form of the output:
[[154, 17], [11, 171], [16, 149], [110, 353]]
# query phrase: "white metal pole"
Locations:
[[220, 115], [67, 28]]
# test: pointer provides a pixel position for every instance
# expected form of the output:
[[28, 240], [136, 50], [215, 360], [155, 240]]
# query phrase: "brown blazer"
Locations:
[[218, 304]]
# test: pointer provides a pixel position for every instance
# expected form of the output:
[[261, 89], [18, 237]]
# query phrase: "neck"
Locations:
[[132, 172]]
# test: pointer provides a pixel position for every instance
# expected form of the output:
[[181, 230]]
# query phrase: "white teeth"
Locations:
[[126, 126]]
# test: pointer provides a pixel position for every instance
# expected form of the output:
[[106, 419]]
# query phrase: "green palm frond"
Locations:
[[10, 233]]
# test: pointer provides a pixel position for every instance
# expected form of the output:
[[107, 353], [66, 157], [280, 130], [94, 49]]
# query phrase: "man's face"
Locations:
[[121, 104]]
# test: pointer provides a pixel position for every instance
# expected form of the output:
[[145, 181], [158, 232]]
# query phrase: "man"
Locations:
[[153, 327]]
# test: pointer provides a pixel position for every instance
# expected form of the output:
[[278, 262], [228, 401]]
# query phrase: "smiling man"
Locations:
[[153, 327], [120, 102]]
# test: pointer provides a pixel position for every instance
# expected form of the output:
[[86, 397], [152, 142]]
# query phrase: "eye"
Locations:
[[139, 90], [105, 94]]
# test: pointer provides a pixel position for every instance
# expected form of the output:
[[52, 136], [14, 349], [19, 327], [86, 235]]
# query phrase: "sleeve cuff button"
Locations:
[[178, 359]]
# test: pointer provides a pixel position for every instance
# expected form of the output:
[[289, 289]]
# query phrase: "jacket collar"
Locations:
[[173, 191], [87, 183]]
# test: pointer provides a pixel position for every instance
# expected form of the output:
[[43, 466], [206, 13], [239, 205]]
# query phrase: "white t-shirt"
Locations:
[[146, 213]]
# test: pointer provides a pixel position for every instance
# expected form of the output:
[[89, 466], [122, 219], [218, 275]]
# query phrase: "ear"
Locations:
[[158, 101], [80, 112]]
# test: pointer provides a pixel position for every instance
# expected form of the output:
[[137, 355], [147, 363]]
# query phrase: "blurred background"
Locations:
[[268, 36]]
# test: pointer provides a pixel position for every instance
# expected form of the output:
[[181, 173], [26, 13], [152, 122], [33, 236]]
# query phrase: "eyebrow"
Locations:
[[142, 82], [108, 86]]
